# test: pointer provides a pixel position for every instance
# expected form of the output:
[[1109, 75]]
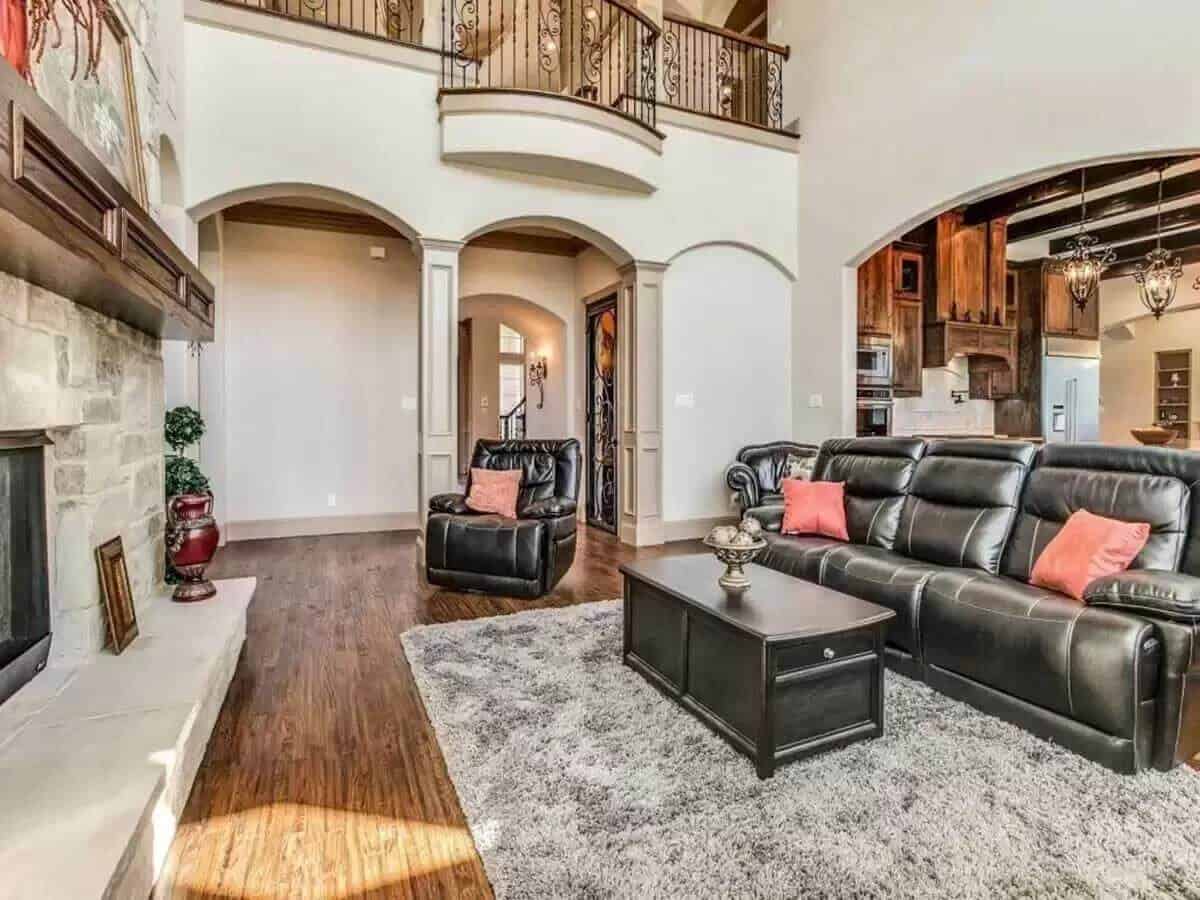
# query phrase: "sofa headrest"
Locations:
[[877, 473], [1133, 484], [962, 502]]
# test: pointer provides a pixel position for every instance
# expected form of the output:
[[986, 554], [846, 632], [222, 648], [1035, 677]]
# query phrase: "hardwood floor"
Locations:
[[323, 778]]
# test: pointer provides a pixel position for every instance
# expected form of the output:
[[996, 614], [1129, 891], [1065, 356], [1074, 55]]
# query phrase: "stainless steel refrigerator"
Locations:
[[1070, 390]]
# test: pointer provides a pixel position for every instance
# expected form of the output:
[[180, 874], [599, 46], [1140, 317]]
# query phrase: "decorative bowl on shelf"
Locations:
[[735, 546], [1154, 435]]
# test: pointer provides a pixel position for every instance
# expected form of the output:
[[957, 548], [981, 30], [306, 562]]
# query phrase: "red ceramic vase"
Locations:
[[192, 538]]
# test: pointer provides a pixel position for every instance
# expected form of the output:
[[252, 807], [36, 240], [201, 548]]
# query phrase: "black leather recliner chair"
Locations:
[[760, 468], [946, 533], [522, 557]]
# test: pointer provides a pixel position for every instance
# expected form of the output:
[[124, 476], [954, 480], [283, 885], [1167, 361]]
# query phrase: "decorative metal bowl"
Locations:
[[1154, 435], [734, 556]]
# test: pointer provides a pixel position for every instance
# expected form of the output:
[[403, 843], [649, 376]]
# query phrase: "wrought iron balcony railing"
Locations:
[[721, 73], [392, 20], [595, 51]]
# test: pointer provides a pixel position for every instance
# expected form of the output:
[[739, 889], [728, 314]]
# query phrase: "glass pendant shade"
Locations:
[[1084, 263], [1157, 280], [1158, 277], [1084, 266]]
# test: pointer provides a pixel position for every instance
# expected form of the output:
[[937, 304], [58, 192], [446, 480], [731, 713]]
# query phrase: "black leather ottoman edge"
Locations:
[[1114, 753]]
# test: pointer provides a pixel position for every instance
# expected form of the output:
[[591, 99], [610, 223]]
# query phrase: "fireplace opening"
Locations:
[[24, 576]]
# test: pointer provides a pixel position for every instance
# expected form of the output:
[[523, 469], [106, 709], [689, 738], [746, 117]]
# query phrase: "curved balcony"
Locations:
[[559, 87]]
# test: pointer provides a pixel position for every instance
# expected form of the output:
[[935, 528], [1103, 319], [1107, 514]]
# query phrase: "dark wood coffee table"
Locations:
[[789, 670]]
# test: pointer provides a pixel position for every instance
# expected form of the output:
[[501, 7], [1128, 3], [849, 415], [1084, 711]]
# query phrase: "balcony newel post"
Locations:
[[433, 22]]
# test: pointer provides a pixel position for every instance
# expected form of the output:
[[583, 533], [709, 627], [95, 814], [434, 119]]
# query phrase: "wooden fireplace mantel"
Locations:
[[67, 225]]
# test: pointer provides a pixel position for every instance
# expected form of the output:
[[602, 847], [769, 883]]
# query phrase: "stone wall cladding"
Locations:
[[96, 386]]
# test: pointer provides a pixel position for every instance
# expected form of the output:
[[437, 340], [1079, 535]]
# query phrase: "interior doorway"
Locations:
[[602, 414]]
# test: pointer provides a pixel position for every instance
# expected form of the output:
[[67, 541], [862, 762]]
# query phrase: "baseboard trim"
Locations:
[[262, 529], [694, 529]]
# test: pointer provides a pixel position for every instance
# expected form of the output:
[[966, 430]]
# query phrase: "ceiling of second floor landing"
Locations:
[[747, 17]]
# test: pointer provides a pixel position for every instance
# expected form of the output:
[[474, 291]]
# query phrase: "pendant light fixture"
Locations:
[[1085, 262], [1158, 277]]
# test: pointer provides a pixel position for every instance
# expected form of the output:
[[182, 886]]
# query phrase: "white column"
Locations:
[[639, 386], [438, 430]]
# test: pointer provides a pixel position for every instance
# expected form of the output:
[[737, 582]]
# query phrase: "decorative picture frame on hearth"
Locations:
[[117, 594]]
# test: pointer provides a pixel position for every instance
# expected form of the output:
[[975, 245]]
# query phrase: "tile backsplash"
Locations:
[[935, 411]]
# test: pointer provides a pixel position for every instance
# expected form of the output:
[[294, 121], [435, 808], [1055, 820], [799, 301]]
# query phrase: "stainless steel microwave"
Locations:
[[874, 360]]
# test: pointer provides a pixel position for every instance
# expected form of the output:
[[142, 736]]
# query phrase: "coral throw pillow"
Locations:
[[814, 507], [495, 491], [1086, 548]]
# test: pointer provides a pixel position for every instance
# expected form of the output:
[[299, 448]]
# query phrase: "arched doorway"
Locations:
[[311, 390]]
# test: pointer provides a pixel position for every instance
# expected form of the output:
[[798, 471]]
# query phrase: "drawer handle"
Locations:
[[829, 654]]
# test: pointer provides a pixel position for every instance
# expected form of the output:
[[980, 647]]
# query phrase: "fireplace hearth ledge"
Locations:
[[97, 761]]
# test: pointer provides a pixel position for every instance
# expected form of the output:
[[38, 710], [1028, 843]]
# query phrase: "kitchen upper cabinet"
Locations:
[[1060, 316], [876, 279], [907, 351], [971, 263]]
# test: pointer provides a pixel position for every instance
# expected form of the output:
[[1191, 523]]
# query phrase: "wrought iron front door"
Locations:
[[602, 415]]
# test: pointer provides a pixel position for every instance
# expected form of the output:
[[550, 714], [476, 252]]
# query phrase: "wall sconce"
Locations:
[[537, 377]]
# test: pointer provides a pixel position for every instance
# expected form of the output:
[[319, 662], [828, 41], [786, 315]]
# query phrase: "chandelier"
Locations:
[[1158, 277], [1085, 262], [85, 22]]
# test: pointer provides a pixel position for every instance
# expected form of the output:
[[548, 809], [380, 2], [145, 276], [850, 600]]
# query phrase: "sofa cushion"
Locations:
[[1087, 547], [548, 468], [814, 507], [1093, 665], [1131, 484], [883, 577], [877, 473], [796, 555], [962, 502]]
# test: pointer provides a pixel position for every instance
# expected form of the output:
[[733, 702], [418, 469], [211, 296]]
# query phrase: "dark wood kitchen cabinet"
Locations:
[[1060, 316], [907, 348], [876, 278]]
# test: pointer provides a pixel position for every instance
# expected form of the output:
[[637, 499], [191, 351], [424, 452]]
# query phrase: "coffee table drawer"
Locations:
[[824, 650]]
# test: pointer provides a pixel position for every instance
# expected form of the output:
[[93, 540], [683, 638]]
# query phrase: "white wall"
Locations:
[[726, 342], [321, 347], [250, 86], [908, 108]]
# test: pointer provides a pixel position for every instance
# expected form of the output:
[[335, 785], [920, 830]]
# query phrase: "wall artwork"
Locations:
[[101, 108], [116, 594]]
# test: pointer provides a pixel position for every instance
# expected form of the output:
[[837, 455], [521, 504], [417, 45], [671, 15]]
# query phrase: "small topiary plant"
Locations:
[[182, 427]]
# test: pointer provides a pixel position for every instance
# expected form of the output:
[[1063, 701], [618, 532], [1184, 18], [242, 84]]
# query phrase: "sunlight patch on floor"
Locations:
[[316, 852]]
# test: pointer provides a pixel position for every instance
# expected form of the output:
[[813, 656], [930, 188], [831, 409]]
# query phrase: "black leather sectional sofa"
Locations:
[[946, 532]]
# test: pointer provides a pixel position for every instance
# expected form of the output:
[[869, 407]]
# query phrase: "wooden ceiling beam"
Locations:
[[1060, 187], [1129, 256], [1188, 256], [1181, 187], [1145, 227], [531, 243], [283, 216]]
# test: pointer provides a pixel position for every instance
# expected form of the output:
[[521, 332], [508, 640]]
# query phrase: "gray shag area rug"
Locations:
[[579, 779]]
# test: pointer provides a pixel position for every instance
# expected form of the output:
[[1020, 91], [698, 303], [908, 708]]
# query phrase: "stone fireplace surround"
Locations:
[[98, 752]]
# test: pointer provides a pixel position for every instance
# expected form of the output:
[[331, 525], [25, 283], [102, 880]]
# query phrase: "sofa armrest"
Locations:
[[742, 480], [550, 508], [1149, 592], [455, 504], [770, 516]]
